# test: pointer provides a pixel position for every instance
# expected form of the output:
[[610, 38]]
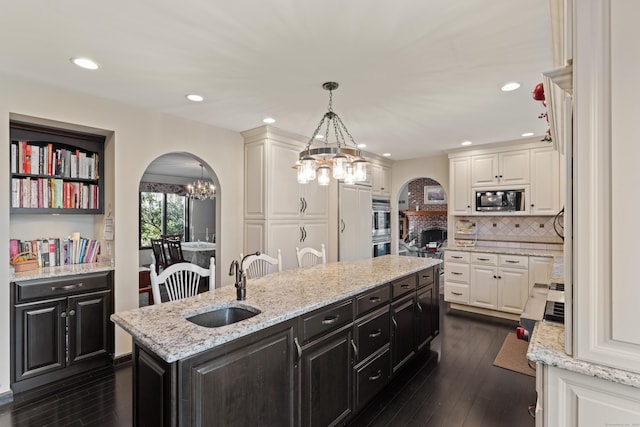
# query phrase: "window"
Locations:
[[161, 213]]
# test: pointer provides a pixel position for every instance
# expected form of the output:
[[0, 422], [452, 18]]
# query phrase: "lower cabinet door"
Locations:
[[403, 343], [426, 316], [89, 325], [326, 378], [372, 377], [40, 338]]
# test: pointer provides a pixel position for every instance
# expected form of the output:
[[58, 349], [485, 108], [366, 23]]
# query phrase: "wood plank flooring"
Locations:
[[462, 389]]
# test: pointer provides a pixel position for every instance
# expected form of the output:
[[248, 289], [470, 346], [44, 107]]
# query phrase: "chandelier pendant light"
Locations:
[[341, 159], [201, 189]]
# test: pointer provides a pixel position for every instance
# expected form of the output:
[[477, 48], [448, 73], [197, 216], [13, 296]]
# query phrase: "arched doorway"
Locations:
[[166, 207], [422, 218]]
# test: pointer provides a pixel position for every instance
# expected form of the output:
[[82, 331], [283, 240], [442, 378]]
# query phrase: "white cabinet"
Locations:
[[456, 277], [544, 196], [279, 212], [513, 289], [460, 186], [539, 270], [380, 180], [507, 168], [355, 222], [484, 286]]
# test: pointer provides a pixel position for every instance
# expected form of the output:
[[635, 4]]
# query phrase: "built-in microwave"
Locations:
[[500, 200]]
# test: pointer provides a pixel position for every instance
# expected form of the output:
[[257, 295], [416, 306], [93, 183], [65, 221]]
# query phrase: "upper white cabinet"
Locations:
[[544, 195], [510, 167], [460, 186], [534, 168], [380, 180]]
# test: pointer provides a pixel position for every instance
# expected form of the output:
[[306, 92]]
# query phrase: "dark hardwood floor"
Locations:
[[462, 389]]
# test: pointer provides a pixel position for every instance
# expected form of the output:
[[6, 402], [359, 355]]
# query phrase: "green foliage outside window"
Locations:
[[161, 213]]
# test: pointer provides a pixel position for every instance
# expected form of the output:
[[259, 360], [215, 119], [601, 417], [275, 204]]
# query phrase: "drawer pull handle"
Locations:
[[420, 307], [67, 287], [426, 276], [376, 376], [405, 286], [483, 259], [375, 334], [513, 262], [456, 257], [456, 293], [374, 299], [456, 273], [330, 320]]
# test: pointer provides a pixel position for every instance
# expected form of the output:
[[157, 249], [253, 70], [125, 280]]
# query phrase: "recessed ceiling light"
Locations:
[[362, 145], [465, 143], [269, 120], [195, 98], [318, 136], [85, 63], [510, 86], [528, 134], [387, 154]]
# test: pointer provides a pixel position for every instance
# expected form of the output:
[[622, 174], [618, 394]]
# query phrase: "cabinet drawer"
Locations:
[[403, 286], [372, 377], [515, 261], [484, 259], [31, 290], [373, 334], [426, 277], [456, 256], [326, 319], [454, 292], [456, 272], [372, 300]]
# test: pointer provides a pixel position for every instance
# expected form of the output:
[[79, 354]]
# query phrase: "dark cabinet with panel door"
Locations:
[[60, 327], [427, 306]]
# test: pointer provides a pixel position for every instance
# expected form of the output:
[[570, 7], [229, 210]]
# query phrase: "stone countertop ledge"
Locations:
[[507, 250], [547, 346], [279, 297], [60, 271]]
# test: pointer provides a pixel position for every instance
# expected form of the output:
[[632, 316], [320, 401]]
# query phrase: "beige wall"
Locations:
[[404, 171], [137, 137]]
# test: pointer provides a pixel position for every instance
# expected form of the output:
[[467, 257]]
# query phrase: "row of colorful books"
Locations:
[[53, 193], [58, 251], [44, 159]]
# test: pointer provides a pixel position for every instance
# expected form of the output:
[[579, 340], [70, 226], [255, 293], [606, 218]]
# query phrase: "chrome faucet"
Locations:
[[241, 277]]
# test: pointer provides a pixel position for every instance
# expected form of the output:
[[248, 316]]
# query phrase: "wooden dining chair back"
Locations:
[[181, 280], [174, 249], [159, 255], [310, 256], [256, 266]]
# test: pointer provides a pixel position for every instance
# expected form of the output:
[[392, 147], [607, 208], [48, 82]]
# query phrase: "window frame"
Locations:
[[187, 210]]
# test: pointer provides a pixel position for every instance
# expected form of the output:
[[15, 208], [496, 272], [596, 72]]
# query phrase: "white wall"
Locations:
[[138, 136], [404, 171]]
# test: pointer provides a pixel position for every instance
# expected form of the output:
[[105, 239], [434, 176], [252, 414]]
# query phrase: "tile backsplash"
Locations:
[[530, 229]]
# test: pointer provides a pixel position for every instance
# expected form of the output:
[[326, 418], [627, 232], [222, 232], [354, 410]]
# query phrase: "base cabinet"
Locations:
[[315, 370], [60, 328]]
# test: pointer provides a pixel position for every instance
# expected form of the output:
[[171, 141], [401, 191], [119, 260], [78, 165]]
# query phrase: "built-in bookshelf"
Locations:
[[55, 170]]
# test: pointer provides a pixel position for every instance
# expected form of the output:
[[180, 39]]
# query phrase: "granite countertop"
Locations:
[[279, 297], [547, 346], [59, 271], [508, 250]]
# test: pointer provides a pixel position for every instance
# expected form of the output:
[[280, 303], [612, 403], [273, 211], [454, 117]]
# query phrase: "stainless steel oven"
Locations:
[[381, 221], [381, 245]]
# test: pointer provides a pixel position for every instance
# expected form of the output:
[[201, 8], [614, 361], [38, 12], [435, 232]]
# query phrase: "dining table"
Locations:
[[199, 253]]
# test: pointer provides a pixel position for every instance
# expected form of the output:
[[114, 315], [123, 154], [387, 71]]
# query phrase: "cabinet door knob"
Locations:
[[72, 313], [63, 314], [532, 205]]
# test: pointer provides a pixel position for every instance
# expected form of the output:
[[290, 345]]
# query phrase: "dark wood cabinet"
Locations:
[[425, 316], [326, 379], [403, 342], [60, 327]]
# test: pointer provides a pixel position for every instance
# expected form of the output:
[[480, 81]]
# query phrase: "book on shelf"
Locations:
[[58, 251]]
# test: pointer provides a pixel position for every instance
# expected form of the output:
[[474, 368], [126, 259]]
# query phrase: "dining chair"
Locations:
[[310, 256], [256, 266], [181, 280], [174, 248], [171, 236], [159, 255]]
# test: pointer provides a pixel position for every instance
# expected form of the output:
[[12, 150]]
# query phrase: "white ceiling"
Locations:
[[417, 77]]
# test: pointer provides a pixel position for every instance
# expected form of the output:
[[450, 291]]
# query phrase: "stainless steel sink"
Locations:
[[222, 316]]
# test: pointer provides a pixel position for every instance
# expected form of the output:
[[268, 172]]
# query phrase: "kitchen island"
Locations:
[[325, 340]]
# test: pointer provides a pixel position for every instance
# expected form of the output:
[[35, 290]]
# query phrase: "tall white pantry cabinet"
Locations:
[[279, 213], [600, 36]]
